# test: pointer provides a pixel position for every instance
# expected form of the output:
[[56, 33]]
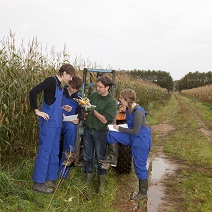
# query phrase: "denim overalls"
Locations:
[[140, 144], [47, 161], [69, 131]]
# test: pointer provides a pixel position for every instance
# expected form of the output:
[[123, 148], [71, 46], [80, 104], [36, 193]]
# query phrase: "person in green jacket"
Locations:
[[95, 132]]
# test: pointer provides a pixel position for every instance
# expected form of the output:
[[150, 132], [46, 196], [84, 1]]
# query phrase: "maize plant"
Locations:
[[203, 93], [22, 69]]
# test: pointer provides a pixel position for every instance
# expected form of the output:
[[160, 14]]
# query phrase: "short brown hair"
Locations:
[[106, 81], [76, 82], [68, 68]]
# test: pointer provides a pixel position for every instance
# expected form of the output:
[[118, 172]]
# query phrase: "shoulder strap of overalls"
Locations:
[[137, 107]]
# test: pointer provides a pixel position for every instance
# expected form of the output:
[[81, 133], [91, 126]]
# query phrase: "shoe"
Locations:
[[101, 183], [143, 187], [89, 178], [113, 155], [51, 183], [138, 197], [41, 187]]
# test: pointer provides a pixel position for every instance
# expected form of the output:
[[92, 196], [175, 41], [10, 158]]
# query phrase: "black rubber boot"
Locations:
[[41, 187], [89, 178], [143, 187], [101, 183], [113, 155], [51, 183]]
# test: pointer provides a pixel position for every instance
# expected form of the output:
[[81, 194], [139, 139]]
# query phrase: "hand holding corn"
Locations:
[[85, 102]]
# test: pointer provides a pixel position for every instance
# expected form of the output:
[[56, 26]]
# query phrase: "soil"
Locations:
[[159, 166], [160, 169]]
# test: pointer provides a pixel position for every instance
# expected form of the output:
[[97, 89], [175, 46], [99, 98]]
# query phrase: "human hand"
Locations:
[[42, 114], [67, 108], [90, 109], [75, 121], [115, 126]]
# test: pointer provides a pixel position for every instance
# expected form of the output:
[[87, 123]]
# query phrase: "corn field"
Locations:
[[23, 68], [147, 93], [203, 93]]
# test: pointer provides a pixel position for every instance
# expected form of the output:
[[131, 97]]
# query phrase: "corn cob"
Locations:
[[80, 101]]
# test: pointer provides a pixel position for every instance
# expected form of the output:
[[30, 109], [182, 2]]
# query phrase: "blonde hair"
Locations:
[[129, 96]]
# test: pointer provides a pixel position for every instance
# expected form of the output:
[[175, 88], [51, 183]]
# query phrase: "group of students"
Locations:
[[96, 136]]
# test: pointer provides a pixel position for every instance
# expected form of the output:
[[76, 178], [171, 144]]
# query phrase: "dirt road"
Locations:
[[161, 167]]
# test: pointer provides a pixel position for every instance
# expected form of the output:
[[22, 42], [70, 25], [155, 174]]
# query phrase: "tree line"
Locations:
[[161, 78], [194, 80], [164, 79]]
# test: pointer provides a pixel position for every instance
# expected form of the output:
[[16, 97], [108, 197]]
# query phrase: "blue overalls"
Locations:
[[47, 161], [69, 131], [140, 144]]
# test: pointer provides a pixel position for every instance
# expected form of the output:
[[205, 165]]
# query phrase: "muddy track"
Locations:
[[161, 168], [203, 126]]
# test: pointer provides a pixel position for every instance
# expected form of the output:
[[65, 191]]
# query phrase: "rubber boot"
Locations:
[[101, 183], [143, 187], [41, 187], [113, 155], [51, 183], [89, 178]]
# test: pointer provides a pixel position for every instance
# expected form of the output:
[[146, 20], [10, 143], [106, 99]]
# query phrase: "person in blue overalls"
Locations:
[[69, 128], [50, 123], [137, 135]]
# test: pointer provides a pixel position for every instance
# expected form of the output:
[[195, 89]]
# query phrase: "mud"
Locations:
[[159, 167]]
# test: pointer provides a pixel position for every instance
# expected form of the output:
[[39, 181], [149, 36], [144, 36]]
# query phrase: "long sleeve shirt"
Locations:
[[138, 121], [49, 87]]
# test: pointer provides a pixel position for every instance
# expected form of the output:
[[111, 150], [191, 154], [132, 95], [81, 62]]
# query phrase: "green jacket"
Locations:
[[106, 106]]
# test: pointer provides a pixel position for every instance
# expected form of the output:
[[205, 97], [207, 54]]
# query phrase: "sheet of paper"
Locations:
[[70, 118], [110, 127]]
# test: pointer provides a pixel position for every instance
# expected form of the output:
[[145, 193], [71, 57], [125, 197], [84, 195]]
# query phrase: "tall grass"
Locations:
[[148, 94], [203, 93], [24, 67], [20, 70]]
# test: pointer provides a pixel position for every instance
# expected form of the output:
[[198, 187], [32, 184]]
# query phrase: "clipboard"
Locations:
[[70, 118]]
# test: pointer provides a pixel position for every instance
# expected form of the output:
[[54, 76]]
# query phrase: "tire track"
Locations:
[[203, 127]]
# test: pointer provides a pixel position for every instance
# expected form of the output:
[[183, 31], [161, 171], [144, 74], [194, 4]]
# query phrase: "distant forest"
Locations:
[[164, 79], [160, 78], [194, 80]]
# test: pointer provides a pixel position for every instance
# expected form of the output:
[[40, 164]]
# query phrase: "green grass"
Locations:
[[190, 189], [21, 69], [73, 194], [203, 109], [19, 133], [192, 186]]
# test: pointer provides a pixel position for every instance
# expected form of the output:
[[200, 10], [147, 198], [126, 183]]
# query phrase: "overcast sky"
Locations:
[[168, 35]]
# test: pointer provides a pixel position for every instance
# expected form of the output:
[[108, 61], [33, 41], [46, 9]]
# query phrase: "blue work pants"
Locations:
[[69, 131]]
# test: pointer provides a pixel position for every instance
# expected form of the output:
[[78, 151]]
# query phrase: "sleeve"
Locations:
[[79, 112], [38, 89], [138, 116], [111, 110]]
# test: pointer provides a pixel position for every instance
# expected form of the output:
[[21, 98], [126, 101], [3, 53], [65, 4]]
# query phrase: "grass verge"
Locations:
[[72, 195], [192, 186]]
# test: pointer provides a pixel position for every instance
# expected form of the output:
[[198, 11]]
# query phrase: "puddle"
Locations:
[[158, 169]]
